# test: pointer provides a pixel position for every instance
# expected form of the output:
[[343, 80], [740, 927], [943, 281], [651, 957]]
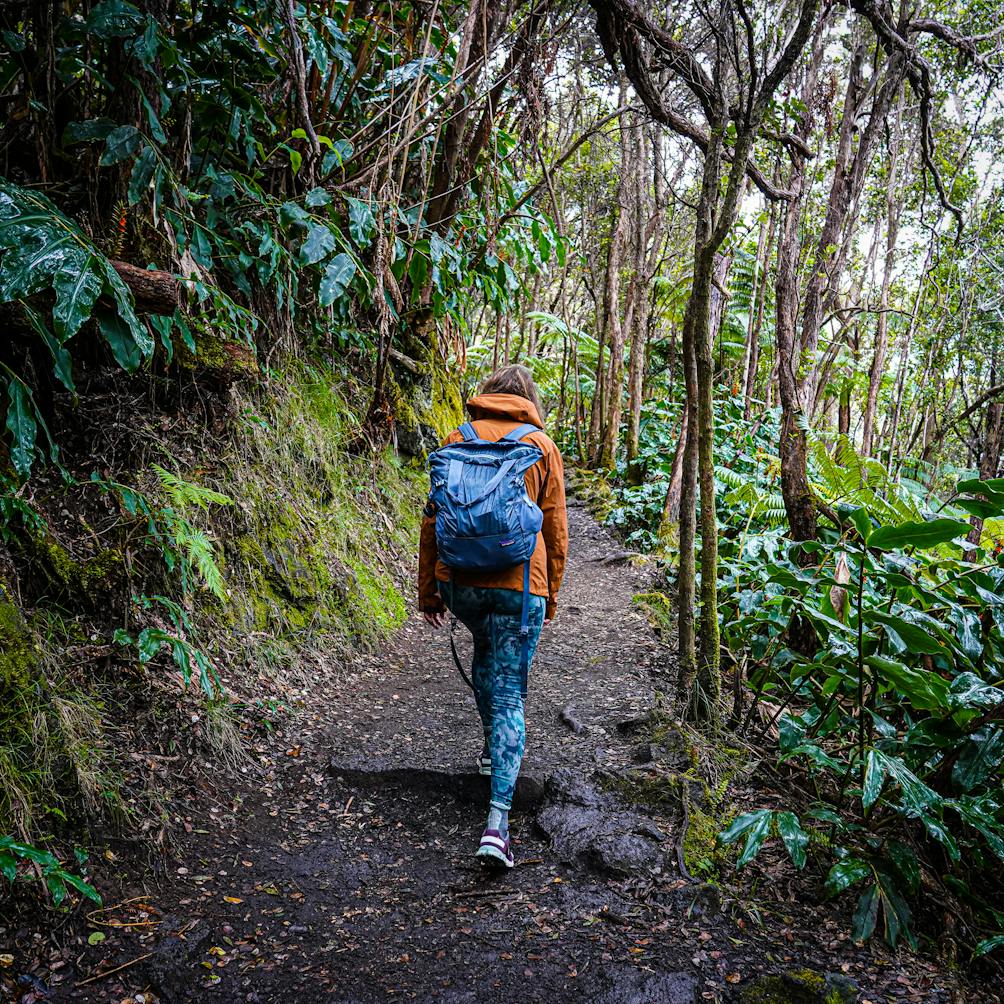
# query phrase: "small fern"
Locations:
[[197, 550], [751, 494], [183, 493], [182, 544]]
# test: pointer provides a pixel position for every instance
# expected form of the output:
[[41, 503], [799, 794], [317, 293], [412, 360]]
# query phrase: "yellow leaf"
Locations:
[[233, 899]]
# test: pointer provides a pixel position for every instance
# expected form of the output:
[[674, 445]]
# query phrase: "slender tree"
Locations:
[[731, 67]]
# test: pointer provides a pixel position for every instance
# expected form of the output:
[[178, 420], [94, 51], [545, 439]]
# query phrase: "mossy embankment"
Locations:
[[314, 554], [318, 546]]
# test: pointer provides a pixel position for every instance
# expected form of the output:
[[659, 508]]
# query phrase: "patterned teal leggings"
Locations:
[[492, 616]]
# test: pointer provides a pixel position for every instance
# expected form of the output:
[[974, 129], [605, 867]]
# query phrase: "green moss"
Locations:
[[658, 609], [215, 353], [701, 850], [800, 986], [18, 653], [80, 577], [447, 409], [650, 790], [594, 489], [424, 397], [708, 807], [50, 732], [323, 536]]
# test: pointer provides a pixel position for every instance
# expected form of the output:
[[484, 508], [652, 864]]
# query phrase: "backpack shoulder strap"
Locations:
[[520, 432], [468, 432]]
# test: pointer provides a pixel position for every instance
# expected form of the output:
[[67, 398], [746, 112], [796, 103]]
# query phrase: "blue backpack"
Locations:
[[485, 520]]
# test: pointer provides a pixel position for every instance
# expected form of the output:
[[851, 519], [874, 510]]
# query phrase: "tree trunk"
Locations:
[[700, 702], [671, 504], [595, 434], [153, 292], [877, 369], [764, 242], [687, 576], [616, 323], [796, 359], [990, 454], [798, 500], [707, 707], [904, 358], [645, 262], [844, 409]]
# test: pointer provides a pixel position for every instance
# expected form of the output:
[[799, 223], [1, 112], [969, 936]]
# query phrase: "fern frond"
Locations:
[[183, 493]]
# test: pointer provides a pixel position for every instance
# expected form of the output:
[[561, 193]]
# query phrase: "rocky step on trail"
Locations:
[[345, 873]]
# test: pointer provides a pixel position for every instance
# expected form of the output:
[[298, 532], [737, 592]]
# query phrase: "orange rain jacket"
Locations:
[[493, 415]]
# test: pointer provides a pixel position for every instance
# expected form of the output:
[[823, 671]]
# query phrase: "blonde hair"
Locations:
[[517, 380]]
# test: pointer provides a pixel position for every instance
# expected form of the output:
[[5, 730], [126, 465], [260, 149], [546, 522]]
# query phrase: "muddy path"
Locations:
[[343, 870]]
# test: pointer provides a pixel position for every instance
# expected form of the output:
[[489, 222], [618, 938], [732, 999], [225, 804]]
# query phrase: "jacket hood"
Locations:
[[510, 406]]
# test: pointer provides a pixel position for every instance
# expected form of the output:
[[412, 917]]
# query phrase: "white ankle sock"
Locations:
[[498, 819]]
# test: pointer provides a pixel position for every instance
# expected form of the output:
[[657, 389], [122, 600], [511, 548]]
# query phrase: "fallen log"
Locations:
[[153, 291]]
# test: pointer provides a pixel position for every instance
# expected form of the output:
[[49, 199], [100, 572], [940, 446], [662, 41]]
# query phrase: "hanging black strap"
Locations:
[[456, 654], [453, 643], [524, 628]]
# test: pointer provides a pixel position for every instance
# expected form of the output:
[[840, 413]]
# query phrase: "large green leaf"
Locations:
[[361, 221], [865, 914], [41, 248], [82, 886], [921, 535], [340, 152], [8, 866], [77, 290], [123, 304], [875, 773], [917, 796], [121, 143], [319, 243], [114, 19], [982, 754], [988, 945], [992, 488], [62, 363], [923, 689], [142, 174], [982, 508], [895, 912], [904, 861], [967, 690], [796, 840], [120, 340], [981, 814], [914, 638], [337, 276], [21, 425], [37, 243], [87, 131], [756, 826]]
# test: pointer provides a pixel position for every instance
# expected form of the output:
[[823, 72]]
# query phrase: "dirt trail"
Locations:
[[344, 873], [412, 710]]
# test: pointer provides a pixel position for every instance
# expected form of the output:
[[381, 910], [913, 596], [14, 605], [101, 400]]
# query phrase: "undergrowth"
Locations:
[[251, 575]]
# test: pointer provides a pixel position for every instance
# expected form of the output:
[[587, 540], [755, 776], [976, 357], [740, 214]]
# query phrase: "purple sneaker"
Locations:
[[494, 850]]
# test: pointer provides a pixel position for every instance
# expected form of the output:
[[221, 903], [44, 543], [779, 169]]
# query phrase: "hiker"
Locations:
[[467, 567]]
